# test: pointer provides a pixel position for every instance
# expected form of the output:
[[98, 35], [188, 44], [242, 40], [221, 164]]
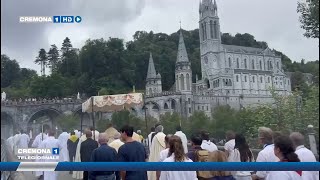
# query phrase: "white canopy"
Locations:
[[110, 103]]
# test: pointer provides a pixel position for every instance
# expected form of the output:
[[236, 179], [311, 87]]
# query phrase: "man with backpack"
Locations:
[[197, 154]]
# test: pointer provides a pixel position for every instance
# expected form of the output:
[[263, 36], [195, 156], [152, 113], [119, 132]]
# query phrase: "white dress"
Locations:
[[184, 140], [24, 141], [36, 143], [64, 153], [235, 157], [178, 175], [78, 174], [283, 175], [50, 142], [305, 155]]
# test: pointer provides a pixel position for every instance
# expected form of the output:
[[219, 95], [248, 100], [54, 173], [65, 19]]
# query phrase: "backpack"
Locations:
[[202, 156]]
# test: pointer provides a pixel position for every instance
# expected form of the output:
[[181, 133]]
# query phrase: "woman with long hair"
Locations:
[[284, 150], [241, 153], [176, 154]]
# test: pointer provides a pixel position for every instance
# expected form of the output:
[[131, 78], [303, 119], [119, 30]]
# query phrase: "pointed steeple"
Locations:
[[215, 6], [182, 52], [151, 70]]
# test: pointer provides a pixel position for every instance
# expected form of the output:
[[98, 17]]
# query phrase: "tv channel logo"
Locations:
[[55, 151], [78, 19]]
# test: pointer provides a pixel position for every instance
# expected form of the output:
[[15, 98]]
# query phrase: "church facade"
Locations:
[[231, 75]]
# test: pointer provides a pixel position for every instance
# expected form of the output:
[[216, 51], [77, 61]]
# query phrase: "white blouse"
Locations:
[[235, 157]]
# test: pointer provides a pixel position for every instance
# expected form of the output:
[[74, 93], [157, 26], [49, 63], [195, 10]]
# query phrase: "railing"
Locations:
[[165, 93], [39, 102]]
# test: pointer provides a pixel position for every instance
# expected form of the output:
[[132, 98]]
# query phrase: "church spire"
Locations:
[[182, 52], [215, 6], [151, 70]]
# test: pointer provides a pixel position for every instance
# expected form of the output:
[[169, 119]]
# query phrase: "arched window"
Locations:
[[278, 65], [208, 83], [237, 78], [245, 78], [166, 106], [261, 80], [188, 82], [215, 30], [268, 79], [177, 84], [211, 29], [150, 91], [260, 65], [205, 31], [245, 63], [253, 79], [238, 66], [229, 62], [182, 81], [252, 63], [230, 83]]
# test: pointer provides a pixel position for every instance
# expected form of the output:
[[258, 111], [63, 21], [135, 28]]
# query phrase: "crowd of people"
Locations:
[[126, 145]]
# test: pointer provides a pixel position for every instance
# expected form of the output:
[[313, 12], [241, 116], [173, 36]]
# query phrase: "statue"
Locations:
[[3, 96], [78, 96]]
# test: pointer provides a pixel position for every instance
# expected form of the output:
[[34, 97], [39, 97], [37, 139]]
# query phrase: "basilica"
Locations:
[[232, 75]]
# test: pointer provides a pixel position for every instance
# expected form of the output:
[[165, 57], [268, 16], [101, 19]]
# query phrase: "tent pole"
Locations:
[[145, 113], [81, 123], [92, 115]]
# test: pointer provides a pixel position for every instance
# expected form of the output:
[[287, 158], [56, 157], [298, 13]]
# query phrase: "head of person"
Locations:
[[178, 128], [297, 139], [243, 147], [152, 129], [166, 140], [230, 135], [205, 135], [126, 132], [116, 135], [265, 135], [139, 132], [51, 132], [91, 128], [284, 150], [103, 138], [109, 125], [72, 133], [88, 133], [218, 156], [159, 128], [196, 141], [276, 134], [176, 148]]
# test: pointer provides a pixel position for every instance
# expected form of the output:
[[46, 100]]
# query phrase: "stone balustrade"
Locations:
[[164, 93], [39, 102]]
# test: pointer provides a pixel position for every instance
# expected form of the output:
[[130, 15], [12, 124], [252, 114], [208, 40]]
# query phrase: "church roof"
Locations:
[[234, 48], [182, 52], [151, 70]]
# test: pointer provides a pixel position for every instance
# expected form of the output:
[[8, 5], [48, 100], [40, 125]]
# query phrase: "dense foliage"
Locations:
[[309, 17], [112, 66]]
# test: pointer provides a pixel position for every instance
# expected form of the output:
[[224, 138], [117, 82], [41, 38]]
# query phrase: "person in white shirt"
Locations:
[[63, 139], [267, 153], [284, 150], [24, 140], [241, 153], [206, 143], [229, 146], [176, 154], [304, 154], [164, 153], [183, 138], [149, 137]]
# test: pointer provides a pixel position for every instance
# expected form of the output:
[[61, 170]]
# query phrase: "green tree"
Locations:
[[9, 71], [42, 59], [53, 57], [69, 62], [170, 122], [197, 122], [69, 122], [309, 18]]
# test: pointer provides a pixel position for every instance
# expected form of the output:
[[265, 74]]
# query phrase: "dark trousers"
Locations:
[[85, 175]]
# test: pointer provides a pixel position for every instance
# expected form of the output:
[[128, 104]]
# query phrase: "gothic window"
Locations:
[[252, 63], [229, 62], [245, 63], [208, 83], [278, 65], [271, 67], [205, 31], [245, 78], [189, 101], [182, 81], [198, 107], [260, 65], [173, 104], [215, 30], [268, 79], [177, 82], [253, 79], [207, 108], [188, 82], [237, 78], [189, 110], [211, 29], [230, 84], [238, 63], [268, 65], [166, 106], [150, 91], [261, 79]]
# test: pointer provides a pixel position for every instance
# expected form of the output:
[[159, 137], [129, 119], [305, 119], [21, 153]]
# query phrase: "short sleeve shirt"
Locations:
[[133, 152]]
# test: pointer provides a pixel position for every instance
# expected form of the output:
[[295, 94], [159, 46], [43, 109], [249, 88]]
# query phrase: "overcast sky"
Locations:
[[273, 21]]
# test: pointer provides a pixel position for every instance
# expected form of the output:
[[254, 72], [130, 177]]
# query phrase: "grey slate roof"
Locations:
[[234, 48], [151, 70], [182, 52]]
